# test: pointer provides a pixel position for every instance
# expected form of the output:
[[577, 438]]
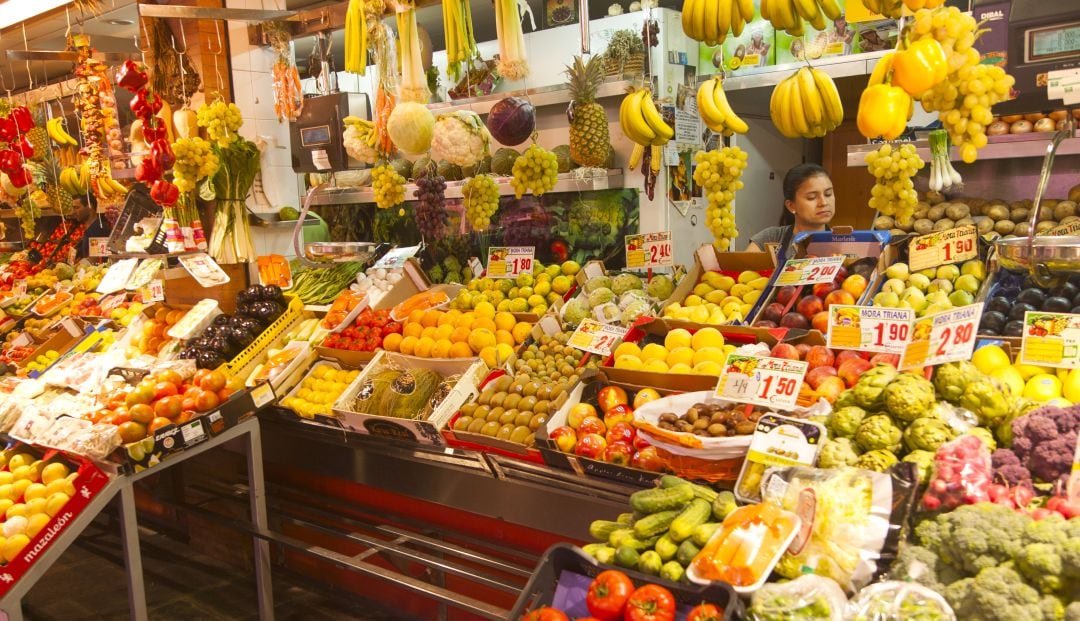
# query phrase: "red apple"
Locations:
[[644, 396], [850, 370], [889, 359], [611, 396], [621, 432], [619, 414], [839, 297], [578, 413], [841, 274], [830, 388], [795, 320], [823, 289], [565, 438], [784, 294], [591, 424], [820, 322], [810, 306], [640, 442], [618, 453], [648, 459], [818, 375], [773, 312], [784, 350], [847, 354], [591, 445], [803, 349], [820, 356]]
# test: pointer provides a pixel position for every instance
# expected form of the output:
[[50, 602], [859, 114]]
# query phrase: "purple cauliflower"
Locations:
[[1007, 467], [1043, 443], [1051, 461]]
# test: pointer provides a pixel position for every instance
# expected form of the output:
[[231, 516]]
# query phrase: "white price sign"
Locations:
[[596, 338], [943, 247], [942, 337], [809, 271], [510, 261], [768, 382], [649, 250], [396, 257], [18, 288], [869, 328], [154, 291]]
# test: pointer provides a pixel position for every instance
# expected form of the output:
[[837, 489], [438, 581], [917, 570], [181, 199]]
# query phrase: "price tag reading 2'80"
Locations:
[[768, 382], [809, 271], [649, 250], [943, 337], [595, 337], [510, 261]]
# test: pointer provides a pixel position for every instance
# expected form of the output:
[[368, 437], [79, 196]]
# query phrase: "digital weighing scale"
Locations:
[[316, 136], [1044, 36]]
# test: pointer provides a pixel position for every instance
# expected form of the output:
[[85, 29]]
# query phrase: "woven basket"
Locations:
[[634, 66]]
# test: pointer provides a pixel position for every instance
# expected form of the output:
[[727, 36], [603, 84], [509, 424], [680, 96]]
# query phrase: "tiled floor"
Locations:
[[89, 583]]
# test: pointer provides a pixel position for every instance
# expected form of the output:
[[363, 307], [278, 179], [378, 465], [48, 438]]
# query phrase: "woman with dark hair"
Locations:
[[810, 204]]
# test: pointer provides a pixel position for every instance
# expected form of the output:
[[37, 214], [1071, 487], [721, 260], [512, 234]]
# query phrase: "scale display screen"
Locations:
[[1054, 42], [315, 136]]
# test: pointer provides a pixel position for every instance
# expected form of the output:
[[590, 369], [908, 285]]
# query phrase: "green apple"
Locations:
[[887, 299], [921, 281], [961, 298], [940, 284], [968, 283], [898, 271], [913, 293], [895, 285], [974, 268], [948, 272]]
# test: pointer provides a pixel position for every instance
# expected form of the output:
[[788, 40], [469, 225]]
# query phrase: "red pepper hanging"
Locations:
[[10, 161], [164, 193], [131, 77], [148, 171], [23, 119], [162, 154], [8, 130]]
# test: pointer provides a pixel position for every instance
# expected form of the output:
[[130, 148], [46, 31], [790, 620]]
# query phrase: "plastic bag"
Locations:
[[893, 600], [806, 598], [963, 473]]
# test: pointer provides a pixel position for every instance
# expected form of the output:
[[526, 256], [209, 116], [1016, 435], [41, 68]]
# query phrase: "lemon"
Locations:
[[699, 314], [13, 546], [989, 358], [627, 349], [482, 338], [680, 368], [680, 355], [709, 354], [1027, 371], [677, 338], [632, 363], [1011, 378], [707, 367], [707, 337], [654, 351], [1070, 386], [1043, 387]]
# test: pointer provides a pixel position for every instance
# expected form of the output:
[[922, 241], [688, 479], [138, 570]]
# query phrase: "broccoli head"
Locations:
[[974, 537], [1000, 594], [919, 564], [909, 397]]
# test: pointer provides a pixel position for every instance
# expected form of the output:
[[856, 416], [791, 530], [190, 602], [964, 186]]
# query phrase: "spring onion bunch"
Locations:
[[942, 174]]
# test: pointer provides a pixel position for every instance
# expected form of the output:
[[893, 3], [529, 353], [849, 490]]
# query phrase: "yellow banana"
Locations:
[[806, 9], [635, 156], [713, 118], [799, 120], [656, 156], [830, 8], [709, 25], [64, 137], [731, 120], [737, 22], [723, 16], [818, 22], [777, 110], [881, 69], [808, 95], [688, 25], [798, 29], [633, 122], [830, 98], [765, 12], [664, 132], [746, 10], [699, 18], [782, 17]]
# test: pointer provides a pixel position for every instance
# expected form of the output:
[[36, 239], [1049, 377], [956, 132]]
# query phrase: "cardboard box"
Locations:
[[480, 442], [428, 431], [837, 39], [707, 259]]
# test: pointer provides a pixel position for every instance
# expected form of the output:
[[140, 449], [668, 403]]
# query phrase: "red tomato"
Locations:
[[215, 381], [545, 614], [705, 612], [608, 594], [169, 407], [651, 603]]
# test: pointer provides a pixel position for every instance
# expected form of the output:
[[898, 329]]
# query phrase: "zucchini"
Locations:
[[605, 555], [617, 535], [700, 491], [666, 548], [650, 563], [695, 514], [627, 557], [600, 530], [703, 533], [661, 498], [626, 519], [655, 524], [672, 571], [687, 552]]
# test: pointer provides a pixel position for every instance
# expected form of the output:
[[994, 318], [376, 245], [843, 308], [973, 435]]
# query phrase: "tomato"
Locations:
[[651, 602], [158, 423], [131, 432], [185, 416], [545, 614], [199, 375], [705, 612], [608, 594], [225, 393], [164, 389], [170, 376], [140, 394], [169, 407]]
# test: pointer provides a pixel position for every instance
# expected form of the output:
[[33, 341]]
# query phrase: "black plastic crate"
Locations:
[[562, 578], [137, 206]]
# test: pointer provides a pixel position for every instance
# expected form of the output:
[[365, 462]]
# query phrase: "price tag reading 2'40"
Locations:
[[809, 271], [943, 247], [943, 337], [649, 250], [595, 337], [768, 382], [510, 261]]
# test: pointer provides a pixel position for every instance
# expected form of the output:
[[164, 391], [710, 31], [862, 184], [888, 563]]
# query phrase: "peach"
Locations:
[[820, 356], [820, 322], [816, 376], [809, 306], [823, 289], [830, 388], [784, 350], [850, 370], [839, 297], [854, 284]]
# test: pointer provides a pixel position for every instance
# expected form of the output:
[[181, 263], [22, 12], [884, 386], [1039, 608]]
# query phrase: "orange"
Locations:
[[465, 321], [443, 332], [429, 332], [504, 336], [423, 347], [416, 316], [431, 318], [442, 349], [392, 342], [449, 317], [412, 329], [408, 345], [460, 350], [460, 335], [505, 321], [483, 323]]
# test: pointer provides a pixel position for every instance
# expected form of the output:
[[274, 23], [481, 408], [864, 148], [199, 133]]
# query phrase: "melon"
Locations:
[[408, 394]]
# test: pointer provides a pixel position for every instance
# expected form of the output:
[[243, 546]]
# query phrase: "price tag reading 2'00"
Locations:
[[809, 271], [942, 337], [943, 247], [768, 382], [510, 261], [649, 250], [595, 337]]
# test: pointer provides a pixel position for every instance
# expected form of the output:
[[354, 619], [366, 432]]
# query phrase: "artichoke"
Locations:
[[838, 452], [909, 397], [983, 434], [877, 460], [924, 463], [844, 422], [950, 379], [878, 432], [986, 399], [846, 399], [868, 390], [927, 434]]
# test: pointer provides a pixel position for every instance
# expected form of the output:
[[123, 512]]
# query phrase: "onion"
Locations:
[[1059, 115], [1034, 116], [1045, 124], [1020, 127], [1012, 118], [1062, 125], [997, 128]]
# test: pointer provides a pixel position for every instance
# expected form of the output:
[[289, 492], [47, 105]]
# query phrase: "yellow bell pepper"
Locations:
[[920, 67], [883, 111]]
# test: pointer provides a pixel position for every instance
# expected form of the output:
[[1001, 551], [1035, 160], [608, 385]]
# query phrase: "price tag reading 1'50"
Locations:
[[768, 382], [809, 271], [510, 261]]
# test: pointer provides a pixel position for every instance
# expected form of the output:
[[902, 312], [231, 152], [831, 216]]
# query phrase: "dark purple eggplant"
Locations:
[[252, 325], [221, 320], [272, 293], [240, 336]]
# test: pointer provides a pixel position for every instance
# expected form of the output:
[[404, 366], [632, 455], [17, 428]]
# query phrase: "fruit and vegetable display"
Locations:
[[720, 298], [1013, 295], [601, 426], [32, 493], [806, 306], [932, 290], [618, 298], [702, 352], [527, 293], [257, 307]]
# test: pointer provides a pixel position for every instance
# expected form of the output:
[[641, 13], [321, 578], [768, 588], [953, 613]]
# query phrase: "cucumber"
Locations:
[[650, 563], [723, 505], [605, 555], [626, 519], [600, 530], [695, 514], [592, 548], [627, 557], [661, 499], [672, 571], [703, 533], [700, 491], [655, 524], [687, 552], [616, 536], [638, 543], [666, 548]]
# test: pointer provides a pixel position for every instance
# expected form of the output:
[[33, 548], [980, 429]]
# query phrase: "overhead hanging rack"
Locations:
[[224, 14], [64, 55]]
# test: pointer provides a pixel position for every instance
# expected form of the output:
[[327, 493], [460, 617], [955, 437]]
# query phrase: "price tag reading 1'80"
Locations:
[[510, 261], [596, 338], [649, 250], [768, 382], [943, 337], [809, 271]]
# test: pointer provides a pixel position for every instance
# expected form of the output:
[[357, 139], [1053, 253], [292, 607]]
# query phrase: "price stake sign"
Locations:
[[648, 250], [869, 328], [596, 338], [942, 337], [769, 382], [943, 247], [396, 258], [1069, 228], [510, 261], [99, 246], [809, 271], [154, 291], [18, 288], [1051, 340]]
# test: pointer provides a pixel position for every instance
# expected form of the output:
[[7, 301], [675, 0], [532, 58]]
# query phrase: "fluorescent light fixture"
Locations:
[[17, 11]]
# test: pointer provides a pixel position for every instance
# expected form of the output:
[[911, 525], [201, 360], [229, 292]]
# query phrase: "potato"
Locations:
[[1021, 229], [1074, 192], [1064, 209], [964, 222], [1046, 212], [1068, 219], [957, 211], [1044, 226], [923, 226], [883, 223], [1004, 226], [936, 213], [944, 224], [997, 212], [934, 198], [908, 226], [1027, 202], [1019, 215], [921, 209], [896, 232], [984, 224]]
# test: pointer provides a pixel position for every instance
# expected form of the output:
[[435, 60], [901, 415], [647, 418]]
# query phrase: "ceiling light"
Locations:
[[119, 22], [18, 11]]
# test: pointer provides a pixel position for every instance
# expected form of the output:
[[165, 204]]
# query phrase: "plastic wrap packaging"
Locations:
[[11, 407], [61, 432], [94, 442], [963, 474], [852, 519], [806, 598], [893, 600]]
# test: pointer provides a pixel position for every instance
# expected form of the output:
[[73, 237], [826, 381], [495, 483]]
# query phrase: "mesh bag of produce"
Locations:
[[807, 598], [893, 600], [963, 475]]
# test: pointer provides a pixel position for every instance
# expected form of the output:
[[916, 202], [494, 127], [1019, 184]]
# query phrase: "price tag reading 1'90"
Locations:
[[595, 337], [648, 250], [768, 382], [943, 337], [510, 261], [943, 247], [809, 271], [869, 328]]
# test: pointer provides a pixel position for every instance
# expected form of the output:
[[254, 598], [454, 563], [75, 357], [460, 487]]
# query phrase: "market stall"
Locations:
[[477, 294]]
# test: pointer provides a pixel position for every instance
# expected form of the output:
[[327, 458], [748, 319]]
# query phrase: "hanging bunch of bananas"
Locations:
[[355, 38], [710, 21], [790, 15], [75, 180], [915, 5], [889, 8], [460, 39], [806, 104], [59, 135], [105, 187], [360, 139], [716, 112], [641, 123]]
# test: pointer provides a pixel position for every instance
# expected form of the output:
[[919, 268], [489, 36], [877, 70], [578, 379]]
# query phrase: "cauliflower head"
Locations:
[[838, 452], [927, 434], [845, 421], [869, 390], [877, 460], [460, 138], [987, 400], [908, 397], [951, 378], [878, 432]]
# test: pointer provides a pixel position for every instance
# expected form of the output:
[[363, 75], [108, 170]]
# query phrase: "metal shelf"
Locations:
[[836, 67], [1006, 147], [539, 97], [567, 183]]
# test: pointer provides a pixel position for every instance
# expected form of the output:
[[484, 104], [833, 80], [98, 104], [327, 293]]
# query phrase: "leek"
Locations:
[[512, 63], [230, 240], [413, 79]]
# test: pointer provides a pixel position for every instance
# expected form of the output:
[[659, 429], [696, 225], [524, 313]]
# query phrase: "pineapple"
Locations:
[[38, 137], [589, 139]]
